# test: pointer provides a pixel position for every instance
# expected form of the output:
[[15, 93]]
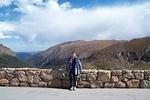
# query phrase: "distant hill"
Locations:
[[8, 58], [99, 54], [57, 55], [25, 55], [6, 50], [134, 54], [12, 62]]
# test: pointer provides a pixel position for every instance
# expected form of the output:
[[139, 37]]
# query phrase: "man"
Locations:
[[74, 70]]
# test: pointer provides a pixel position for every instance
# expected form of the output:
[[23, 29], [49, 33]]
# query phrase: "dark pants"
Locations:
[[72, 79]]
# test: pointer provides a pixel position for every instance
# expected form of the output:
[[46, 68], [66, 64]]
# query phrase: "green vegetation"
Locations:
[[11, 61]]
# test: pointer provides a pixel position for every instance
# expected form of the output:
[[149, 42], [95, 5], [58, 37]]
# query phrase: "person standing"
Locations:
[[74, 67]]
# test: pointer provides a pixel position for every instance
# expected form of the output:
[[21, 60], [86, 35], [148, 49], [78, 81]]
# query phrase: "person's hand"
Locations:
[[63, 74]]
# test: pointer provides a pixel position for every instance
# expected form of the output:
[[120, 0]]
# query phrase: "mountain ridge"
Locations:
[[8, 58], [59, 53], [129, 54], [6, 50]]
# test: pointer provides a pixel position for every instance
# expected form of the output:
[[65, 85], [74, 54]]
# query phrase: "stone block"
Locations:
[[55, 83], [133, 83], [2, 74], [116, 72], [114, 79], [45, 77], [128, 74], [120, 84], [145, 84], [123, 79], [98, 84], [65, 84], [103, 76], [109, 85], [22, 78], [83, 77], [84, 84], [30, 79], [3, 82], [23, 84], [91, 77], [42, 84], [147, 72], [139, 76], [9, 76], [14, 82], [33, 85], [36, 79]]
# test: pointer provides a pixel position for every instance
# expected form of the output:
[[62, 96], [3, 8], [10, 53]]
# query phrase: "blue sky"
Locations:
[[33, 25], [91, 3]]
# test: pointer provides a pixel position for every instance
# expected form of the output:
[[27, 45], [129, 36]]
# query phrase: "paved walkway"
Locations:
[[16, 93]]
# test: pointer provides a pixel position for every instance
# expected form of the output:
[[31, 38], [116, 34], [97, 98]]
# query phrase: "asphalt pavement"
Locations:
[[28, 93]]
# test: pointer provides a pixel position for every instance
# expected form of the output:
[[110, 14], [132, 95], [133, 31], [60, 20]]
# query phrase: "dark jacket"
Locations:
[[78, 66]]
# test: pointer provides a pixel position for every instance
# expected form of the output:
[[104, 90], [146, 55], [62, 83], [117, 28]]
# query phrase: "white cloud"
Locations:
[[60, 22], [53, 22], [6, 36], [2, 36], [5, 2], [5, 28]]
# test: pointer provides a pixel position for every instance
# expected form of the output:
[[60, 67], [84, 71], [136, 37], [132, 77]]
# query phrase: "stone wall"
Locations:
[[30, 77]]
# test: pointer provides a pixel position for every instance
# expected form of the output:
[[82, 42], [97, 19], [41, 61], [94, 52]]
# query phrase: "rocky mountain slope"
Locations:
[[99, 54], [6, 50], [134, 54], [57, 55]]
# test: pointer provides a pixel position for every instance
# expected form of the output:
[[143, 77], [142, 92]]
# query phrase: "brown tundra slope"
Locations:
[[6, 50], [8, 58], [133, 54], [58, 54]]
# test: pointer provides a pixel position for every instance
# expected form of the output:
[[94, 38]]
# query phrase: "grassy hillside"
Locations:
[[11, 61]]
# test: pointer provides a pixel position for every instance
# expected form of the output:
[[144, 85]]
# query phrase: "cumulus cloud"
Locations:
[[46, 22], [61, 22], [7, 36], [5, 28], [5, 2]]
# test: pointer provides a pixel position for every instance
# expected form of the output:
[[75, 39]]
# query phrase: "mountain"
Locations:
[[25, 55], [57, 55], [133, 54], [6, 50], [8, 58]]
